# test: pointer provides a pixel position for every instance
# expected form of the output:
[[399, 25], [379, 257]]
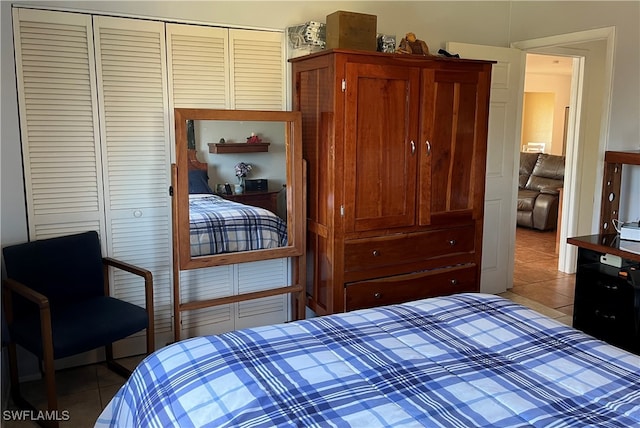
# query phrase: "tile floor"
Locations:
[[85, 391], [537, 283]]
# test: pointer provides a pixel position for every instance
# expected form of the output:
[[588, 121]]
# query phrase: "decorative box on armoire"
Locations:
[[395, 147]]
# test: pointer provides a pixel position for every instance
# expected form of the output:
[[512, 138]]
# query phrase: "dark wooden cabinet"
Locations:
[[267, 200], [607, 300], [396, 149]]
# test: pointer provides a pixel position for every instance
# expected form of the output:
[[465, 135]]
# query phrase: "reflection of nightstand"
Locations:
[[267, 200]]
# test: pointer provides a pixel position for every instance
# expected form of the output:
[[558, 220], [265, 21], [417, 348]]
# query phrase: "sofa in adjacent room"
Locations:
[[540, 181]]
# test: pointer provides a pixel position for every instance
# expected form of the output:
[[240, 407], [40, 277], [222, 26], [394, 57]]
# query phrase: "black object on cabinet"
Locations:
[[607, 298]]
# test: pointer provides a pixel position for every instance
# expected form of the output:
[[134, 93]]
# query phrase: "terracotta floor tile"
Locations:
[[536, 276]]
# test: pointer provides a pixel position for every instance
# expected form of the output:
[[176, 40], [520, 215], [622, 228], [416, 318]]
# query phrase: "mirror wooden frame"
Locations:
[[294, 188]]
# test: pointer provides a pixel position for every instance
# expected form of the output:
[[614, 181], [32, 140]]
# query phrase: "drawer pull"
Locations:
[[612, 287], [452, 242], [377, 295], [453, 281], [376, 253], [605, 316]]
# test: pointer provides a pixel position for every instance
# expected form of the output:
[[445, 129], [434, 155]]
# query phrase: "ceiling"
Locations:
[[548, 64]]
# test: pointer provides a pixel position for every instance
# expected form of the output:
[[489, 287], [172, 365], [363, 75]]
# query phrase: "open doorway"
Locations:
[[546, 104], [587, 129]]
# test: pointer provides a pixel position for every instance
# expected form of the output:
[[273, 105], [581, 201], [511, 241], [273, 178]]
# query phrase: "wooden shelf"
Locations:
[[238, 147]]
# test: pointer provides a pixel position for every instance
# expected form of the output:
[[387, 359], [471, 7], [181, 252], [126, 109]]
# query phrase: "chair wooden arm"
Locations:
[[148, 292], [11, 285], [128, 267], [28, 293]]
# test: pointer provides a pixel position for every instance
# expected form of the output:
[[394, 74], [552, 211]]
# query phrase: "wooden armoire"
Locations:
[[396, 148]]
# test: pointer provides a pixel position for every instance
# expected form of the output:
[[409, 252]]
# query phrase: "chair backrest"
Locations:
[[65, 269]]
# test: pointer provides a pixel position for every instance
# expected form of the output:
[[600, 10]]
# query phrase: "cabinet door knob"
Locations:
[[454, 281], [377, 295], [428, 144], [452, 242], [376, 253], [413, 147]]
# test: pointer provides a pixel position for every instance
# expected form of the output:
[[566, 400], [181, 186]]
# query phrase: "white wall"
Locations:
[[560, 86], [493, 23], [270, 165]]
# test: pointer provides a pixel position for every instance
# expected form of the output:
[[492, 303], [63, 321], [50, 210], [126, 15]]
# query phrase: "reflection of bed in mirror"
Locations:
[[227, 289], [218, 225]]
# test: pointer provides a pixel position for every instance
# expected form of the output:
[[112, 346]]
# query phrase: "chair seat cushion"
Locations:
[[81, 327], [527, 199]]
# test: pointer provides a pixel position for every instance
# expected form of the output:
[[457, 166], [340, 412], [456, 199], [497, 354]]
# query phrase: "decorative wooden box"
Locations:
[[350, 30]]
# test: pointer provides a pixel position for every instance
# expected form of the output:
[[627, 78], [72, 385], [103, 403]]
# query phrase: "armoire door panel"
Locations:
[[449, 112], [380, 146]]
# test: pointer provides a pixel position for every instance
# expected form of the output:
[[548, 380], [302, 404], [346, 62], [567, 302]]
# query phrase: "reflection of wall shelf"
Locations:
[[238, 147]]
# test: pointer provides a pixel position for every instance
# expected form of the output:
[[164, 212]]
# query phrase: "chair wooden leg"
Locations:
[[50, 380], [113, 365], [151, 340], [13, 375], [19, 400]]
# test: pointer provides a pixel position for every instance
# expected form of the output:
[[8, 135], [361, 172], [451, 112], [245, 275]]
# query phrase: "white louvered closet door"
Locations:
[[198, 66], [257, 67], [131, 71], [58, 122]]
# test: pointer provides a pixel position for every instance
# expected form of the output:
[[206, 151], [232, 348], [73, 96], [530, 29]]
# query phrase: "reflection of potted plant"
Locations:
[[242, 169]]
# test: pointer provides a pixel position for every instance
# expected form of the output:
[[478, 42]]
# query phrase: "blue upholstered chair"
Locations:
[[57, 304]]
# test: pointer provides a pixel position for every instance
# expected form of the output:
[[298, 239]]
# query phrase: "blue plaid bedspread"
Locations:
[[469, 360], [218, 225]]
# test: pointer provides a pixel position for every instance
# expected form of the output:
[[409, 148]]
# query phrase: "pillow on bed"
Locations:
[[199, 182]]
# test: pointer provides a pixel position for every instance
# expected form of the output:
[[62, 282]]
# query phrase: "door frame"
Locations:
[[552, 45]]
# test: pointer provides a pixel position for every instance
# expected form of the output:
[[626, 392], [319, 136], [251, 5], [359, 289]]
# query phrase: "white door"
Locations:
[[133, 105], [507, 84], [58, 122]]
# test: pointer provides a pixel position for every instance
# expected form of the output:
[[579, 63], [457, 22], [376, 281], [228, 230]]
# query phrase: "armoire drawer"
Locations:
[[404, 288], [364, 254]]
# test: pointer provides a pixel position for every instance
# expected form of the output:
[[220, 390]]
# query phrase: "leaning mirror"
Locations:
[[238, 183]]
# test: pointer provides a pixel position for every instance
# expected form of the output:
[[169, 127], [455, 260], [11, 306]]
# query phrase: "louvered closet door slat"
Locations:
[[202, 284], [59, 122], [135, 145], [198, 66], [257, 70], [257, 276]]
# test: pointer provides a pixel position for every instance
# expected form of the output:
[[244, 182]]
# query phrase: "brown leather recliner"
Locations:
[[541, 177]]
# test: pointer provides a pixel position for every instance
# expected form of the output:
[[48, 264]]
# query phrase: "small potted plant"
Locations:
[[242, 169]]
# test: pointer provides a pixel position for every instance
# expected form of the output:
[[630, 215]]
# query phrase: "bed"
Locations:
[[218, 225], [458, 361]]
